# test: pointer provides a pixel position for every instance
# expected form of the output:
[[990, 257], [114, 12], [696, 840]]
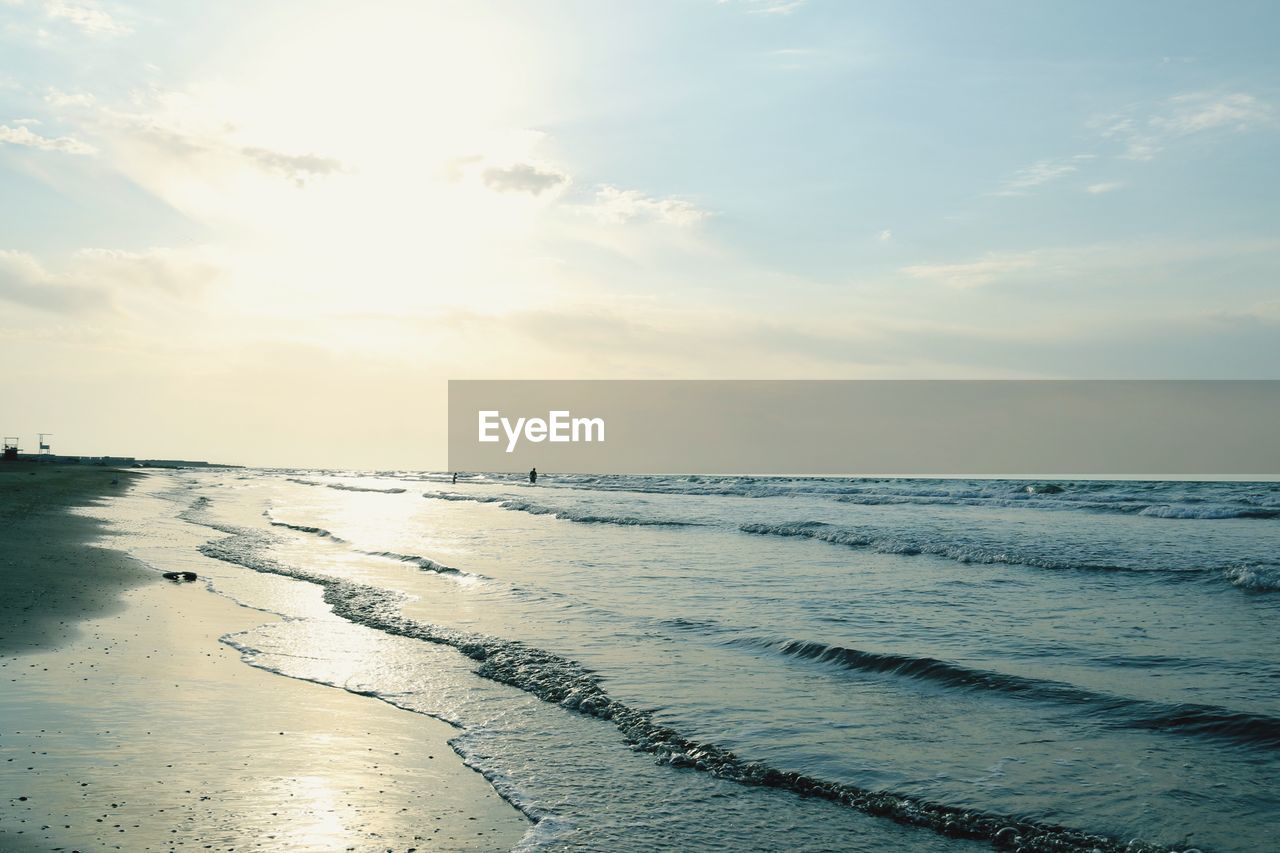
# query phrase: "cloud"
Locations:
[[765, 7], [23, 280], [885, 236], [616, 206], [1104, 187], [518, 176], [524, 178], [1192, 345], [215, 148], [298, 168], [972, 274], [1185, 115], [55, 97], [172, 271], [1091, 265], [1196, 112], [1039, 174], [85, 15], [23, 135], [98, 279]]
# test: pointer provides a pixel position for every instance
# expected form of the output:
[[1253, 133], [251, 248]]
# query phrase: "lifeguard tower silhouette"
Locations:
[[44, 446], [10, 448]]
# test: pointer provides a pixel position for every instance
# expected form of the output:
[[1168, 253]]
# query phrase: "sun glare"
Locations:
[[404, 107]]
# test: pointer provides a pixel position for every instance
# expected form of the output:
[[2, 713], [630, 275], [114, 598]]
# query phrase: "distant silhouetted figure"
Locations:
[[533, 476], [455, 479]]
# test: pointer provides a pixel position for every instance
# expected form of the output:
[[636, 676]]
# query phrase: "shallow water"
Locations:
[[1096, 655]]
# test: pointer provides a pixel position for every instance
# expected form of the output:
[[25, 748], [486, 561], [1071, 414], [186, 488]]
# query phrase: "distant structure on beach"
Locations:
[[13, 453], [123, 461]]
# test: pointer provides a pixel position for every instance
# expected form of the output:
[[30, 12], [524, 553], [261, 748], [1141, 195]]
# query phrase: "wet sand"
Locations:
[[49, 580], [136, 729]]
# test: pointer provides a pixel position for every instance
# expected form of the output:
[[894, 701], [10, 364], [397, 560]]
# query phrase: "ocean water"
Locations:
[[724, 663]]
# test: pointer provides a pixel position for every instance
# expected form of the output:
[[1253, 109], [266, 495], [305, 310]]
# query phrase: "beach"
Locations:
[[49, 580], [393, 661], [128, 725]]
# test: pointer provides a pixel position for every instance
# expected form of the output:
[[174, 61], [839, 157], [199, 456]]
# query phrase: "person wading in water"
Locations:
[[533, 476]]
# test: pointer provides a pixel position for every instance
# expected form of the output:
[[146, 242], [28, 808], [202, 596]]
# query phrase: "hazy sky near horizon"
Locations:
[[269, 232]]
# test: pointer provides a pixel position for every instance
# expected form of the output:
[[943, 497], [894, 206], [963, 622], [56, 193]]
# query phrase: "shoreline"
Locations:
[[129, 724], [51, 577]]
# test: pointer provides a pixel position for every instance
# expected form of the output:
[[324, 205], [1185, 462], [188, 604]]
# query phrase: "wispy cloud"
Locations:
[[1082, 264], [24, 136], [298, 168], [1040, 173], [56, 97], [765, 7], [1146, 134], [617, 206], [97, 279], [24, 281], [85, 15], [216, 148], [1196, 112], [177, 272], [969, 274]]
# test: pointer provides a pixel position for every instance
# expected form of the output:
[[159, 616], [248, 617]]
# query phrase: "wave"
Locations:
[[1183, 718], [1029, 501], [1155, 499], [566, 683], [1259, 578], [1207, 512], [576, 516], [1256, 578], [302, 528], [425, 563], [855, 538], [343, 487]]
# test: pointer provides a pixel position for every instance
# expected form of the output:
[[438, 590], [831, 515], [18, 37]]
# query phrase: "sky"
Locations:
[[270, 232]]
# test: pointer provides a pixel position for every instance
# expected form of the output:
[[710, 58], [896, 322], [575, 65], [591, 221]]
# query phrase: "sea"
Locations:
[[763, 663]]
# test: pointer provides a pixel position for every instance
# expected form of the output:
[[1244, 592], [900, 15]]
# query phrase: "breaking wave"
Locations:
[[343, 487], [1207, 512], [855, 538], [424, 563], [1258, 577], [302, 528], [562, 514], [566, 683], [1154, 499], [1182, 718]]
